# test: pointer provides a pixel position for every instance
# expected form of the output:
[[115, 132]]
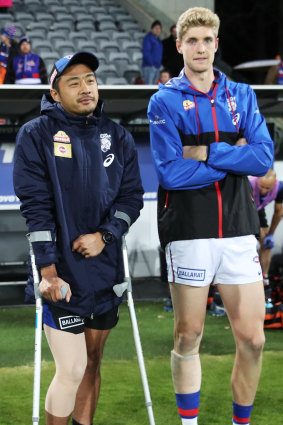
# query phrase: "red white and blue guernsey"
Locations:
[[212, 199]]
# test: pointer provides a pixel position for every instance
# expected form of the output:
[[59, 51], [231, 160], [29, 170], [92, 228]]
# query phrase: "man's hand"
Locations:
[[241, 142], [50, 285], [269, 241], [199, 153], [89, 245]]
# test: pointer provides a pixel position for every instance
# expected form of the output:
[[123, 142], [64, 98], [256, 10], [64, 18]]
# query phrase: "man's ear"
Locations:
[[216, 44], [55, 95], [178, 46]]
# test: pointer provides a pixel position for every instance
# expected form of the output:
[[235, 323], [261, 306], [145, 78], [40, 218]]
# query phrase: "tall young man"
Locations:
[[77, 176], [207, 136]]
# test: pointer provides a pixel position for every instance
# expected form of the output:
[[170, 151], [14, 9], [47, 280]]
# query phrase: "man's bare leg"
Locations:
[[69, 353], [88, 391], [245, 306]]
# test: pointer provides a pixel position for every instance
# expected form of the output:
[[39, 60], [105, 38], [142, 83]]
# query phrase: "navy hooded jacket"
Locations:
[[73, 174]]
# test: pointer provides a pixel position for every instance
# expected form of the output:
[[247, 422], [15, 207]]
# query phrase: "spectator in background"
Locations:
[[275, 73], [4, 5], [265, 190], [152, 49], [172, 59], [27, 67], [164, 76], [9, 49]]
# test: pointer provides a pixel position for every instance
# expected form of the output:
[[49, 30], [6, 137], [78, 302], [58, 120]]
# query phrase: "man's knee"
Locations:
[[187, 340], [253, 342]]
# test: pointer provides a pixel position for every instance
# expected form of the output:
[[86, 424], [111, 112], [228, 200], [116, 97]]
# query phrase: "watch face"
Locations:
[[107, 237]]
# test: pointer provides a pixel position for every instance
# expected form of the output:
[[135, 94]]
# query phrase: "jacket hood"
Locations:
[[54, 109], [182, 83]]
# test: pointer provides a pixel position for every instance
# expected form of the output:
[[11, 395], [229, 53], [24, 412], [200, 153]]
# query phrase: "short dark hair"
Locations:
[[155, 23]]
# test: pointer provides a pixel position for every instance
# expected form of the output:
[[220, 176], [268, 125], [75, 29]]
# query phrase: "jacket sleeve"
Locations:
[[146, 51], [173, 171], [33, 188], [256, 157], [127, 205]]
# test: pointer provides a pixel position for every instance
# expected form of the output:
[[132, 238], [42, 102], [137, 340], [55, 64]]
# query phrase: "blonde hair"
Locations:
[[197, 17]]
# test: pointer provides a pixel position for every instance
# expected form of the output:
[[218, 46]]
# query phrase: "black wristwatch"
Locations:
[[107, 237]]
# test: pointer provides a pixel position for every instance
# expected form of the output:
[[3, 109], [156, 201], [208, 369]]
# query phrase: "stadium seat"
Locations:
[[131, 27], [114, 10], [139, 36], [65, 17], [51, 56], [32, 3], [63, 46], [105, 71], [109, 46], [87, 45], [58, 34], [98, 36], [100, 81], [107, 26], [86, 3], [116, 81], [83, 17], [54, 9], [130, 47], [41, 46], [35, 26], [102, 58], [23, 18], [62, 26], [120, 60], [87, 26], [123, 17], [69, 3], [47, 3], [137, 58], [96, 9], [44, 18], [119, 37], [36, 35], [76, 36], [103, 17], [74, 8], [131, 73]]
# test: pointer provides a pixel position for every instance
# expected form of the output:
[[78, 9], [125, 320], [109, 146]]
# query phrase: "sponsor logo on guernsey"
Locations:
[[63, 150], [62, 137], [70, 321], [256, 259], [191, 274], [236, 119], [232, 105], [157, 120], [105, 142], [108, 160], [188, 104]]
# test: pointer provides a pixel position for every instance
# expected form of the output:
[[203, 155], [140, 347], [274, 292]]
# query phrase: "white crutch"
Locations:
[[119, 290], [38, 330]]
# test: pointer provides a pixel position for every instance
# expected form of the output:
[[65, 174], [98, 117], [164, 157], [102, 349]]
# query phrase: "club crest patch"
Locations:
[[105, 142], [62, 137], [62, 149], [188, 104]]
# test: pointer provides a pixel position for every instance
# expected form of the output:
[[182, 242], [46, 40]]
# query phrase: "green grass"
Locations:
[[122, 399]]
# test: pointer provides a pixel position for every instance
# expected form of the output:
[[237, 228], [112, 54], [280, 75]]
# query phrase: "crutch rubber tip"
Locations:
[[64, 290]]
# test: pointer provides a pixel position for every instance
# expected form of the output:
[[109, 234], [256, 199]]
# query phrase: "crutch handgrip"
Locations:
[[64, 290]]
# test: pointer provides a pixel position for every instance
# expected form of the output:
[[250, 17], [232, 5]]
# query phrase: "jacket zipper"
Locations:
[[216, 184]]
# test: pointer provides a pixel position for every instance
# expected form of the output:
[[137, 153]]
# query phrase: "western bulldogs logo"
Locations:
[[105, 142]]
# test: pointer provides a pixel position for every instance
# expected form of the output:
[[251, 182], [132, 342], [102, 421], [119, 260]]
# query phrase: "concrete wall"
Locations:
[[146, 11]]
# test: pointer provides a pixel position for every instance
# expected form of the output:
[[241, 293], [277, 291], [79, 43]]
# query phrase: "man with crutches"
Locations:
[[77, 176]]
